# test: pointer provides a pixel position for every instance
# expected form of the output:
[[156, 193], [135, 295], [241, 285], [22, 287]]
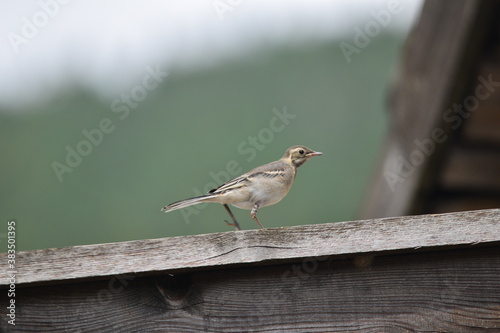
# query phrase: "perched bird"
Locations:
[[260, 187]]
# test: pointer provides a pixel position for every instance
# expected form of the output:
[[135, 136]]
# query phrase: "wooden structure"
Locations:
[[442, 153], [434, 273]]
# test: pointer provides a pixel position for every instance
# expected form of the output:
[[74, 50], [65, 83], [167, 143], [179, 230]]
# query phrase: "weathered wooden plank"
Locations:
[[211, 251], [443, 291]]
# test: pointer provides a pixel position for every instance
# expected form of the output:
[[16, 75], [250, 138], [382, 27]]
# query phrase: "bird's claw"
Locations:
[[235, 225]]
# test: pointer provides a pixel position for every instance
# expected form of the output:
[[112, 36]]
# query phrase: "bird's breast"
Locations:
[[265, 190]]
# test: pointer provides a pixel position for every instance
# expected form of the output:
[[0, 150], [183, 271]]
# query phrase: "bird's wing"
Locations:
[[270, 170], [230, 185]]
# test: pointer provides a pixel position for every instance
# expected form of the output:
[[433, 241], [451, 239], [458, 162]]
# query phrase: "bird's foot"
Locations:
[[235, 224]]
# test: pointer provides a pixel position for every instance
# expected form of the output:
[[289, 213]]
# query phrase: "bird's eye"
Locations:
[[301, 152]]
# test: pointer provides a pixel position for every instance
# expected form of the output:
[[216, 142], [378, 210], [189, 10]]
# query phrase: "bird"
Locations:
[[259, 187]]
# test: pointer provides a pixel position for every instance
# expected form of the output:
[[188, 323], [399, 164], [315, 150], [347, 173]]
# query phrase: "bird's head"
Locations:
[[299, 154]]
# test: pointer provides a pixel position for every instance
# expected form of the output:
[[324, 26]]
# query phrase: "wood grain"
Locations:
[[443, 291], [266, 246]]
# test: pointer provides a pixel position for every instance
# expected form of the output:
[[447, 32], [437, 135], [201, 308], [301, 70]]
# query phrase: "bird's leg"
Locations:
[[235, 223], [253, 214]]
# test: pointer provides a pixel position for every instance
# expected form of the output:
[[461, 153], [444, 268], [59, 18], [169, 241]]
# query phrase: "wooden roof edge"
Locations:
[[216, 250]]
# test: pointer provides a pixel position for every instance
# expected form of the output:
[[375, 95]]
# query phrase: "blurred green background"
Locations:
[[103, 124], [190, 125]]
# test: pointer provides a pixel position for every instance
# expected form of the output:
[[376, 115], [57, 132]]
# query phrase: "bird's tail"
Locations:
[[189, 202]]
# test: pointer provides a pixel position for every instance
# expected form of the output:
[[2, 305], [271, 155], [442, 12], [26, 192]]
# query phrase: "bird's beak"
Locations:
[[314, 153]]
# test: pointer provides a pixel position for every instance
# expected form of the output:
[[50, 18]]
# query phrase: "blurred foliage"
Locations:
[[190, 125]]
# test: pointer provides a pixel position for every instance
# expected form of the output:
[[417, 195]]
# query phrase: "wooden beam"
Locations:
[[262, 247], [482, 127], [471, 168], [458, 202], [436, 291]]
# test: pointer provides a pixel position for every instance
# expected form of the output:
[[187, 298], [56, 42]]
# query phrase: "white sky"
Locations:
[[105, 45]]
